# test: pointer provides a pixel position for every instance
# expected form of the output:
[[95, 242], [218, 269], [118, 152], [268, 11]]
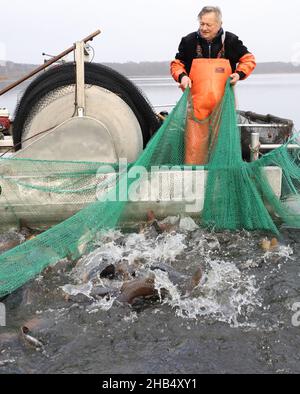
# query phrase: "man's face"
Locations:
[[209, 26]]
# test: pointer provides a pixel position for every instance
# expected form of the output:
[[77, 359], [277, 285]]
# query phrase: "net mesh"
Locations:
[[238, 194]]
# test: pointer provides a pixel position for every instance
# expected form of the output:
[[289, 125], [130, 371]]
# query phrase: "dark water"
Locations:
[[237, 320]]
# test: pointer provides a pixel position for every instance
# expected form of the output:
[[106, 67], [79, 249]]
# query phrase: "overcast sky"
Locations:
[[143, 30]]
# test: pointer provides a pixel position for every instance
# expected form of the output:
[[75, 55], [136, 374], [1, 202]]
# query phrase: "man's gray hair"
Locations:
[[208, 9]]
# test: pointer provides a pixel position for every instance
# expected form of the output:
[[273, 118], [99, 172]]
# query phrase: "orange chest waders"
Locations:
[[209, 77]]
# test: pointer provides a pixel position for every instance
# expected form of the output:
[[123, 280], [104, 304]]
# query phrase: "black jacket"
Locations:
[[234, 49]]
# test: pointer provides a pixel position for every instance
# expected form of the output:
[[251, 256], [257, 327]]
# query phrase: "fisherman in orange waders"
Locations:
[[205, 61]]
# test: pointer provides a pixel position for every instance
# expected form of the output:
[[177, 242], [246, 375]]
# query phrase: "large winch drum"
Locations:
[[108, 131], [117, 121]]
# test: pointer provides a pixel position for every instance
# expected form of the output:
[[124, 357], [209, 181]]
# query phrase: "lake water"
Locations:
[[276, 94]]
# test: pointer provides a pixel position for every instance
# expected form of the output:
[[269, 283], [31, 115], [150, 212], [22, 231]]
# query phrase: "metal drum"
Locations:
[[117, 123]]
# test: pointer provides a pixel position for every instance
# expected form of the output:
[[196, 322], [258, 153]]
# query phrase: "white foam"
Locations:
[[80, 289], [225, 296], [105, 304]]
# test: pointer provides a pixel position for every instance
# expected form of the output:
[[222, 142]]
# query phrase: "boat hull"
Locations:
[[166, 193]]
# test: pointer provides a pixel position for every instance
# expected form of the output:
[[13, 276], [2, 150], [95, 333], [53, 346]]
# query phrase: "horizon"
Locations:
[[3, 63]]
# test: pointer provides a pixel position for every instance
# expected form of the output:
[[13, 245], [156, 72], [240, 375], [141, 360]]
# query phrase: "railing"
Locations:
[[256, 146]]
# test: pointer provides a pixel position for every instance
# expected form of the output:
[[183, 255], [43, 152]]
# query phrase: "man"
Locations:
[[205, 61]]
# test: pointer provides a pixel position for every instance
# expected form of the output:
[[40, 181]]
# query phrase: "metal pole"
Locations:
[[48, 63], [263, 125], [165, 106], [255, 146], [275, 146], [80, 80]]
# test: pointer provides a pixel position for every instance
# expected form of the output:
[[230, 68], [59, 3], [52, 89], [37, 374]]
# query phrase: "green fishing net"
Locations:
[[93, 197]]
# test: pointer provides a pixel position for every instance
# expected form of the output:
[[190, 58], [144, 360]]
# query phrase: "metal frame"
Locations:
[[256, 146], [274, 125], [48, 63], [80, 78], [79, 55]]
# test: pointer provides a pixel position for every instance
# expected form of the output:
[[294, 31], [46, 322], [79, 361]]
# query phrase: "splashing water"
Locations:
[[241, 304], [224, 296]]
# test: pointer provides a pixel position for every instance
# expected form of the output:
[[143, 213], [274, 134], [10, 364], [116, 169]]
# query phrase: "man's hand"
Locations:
[[185, 83], [234, 78]]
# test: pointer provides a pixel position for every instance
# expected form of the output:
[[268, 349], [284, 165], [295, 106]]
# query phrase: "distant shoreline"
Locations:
[[13, 71]]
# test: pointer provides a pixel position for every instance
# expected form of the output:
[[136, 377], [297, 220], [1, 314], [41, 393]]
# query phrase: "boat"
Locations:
[[108, 112], [272, 130]]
